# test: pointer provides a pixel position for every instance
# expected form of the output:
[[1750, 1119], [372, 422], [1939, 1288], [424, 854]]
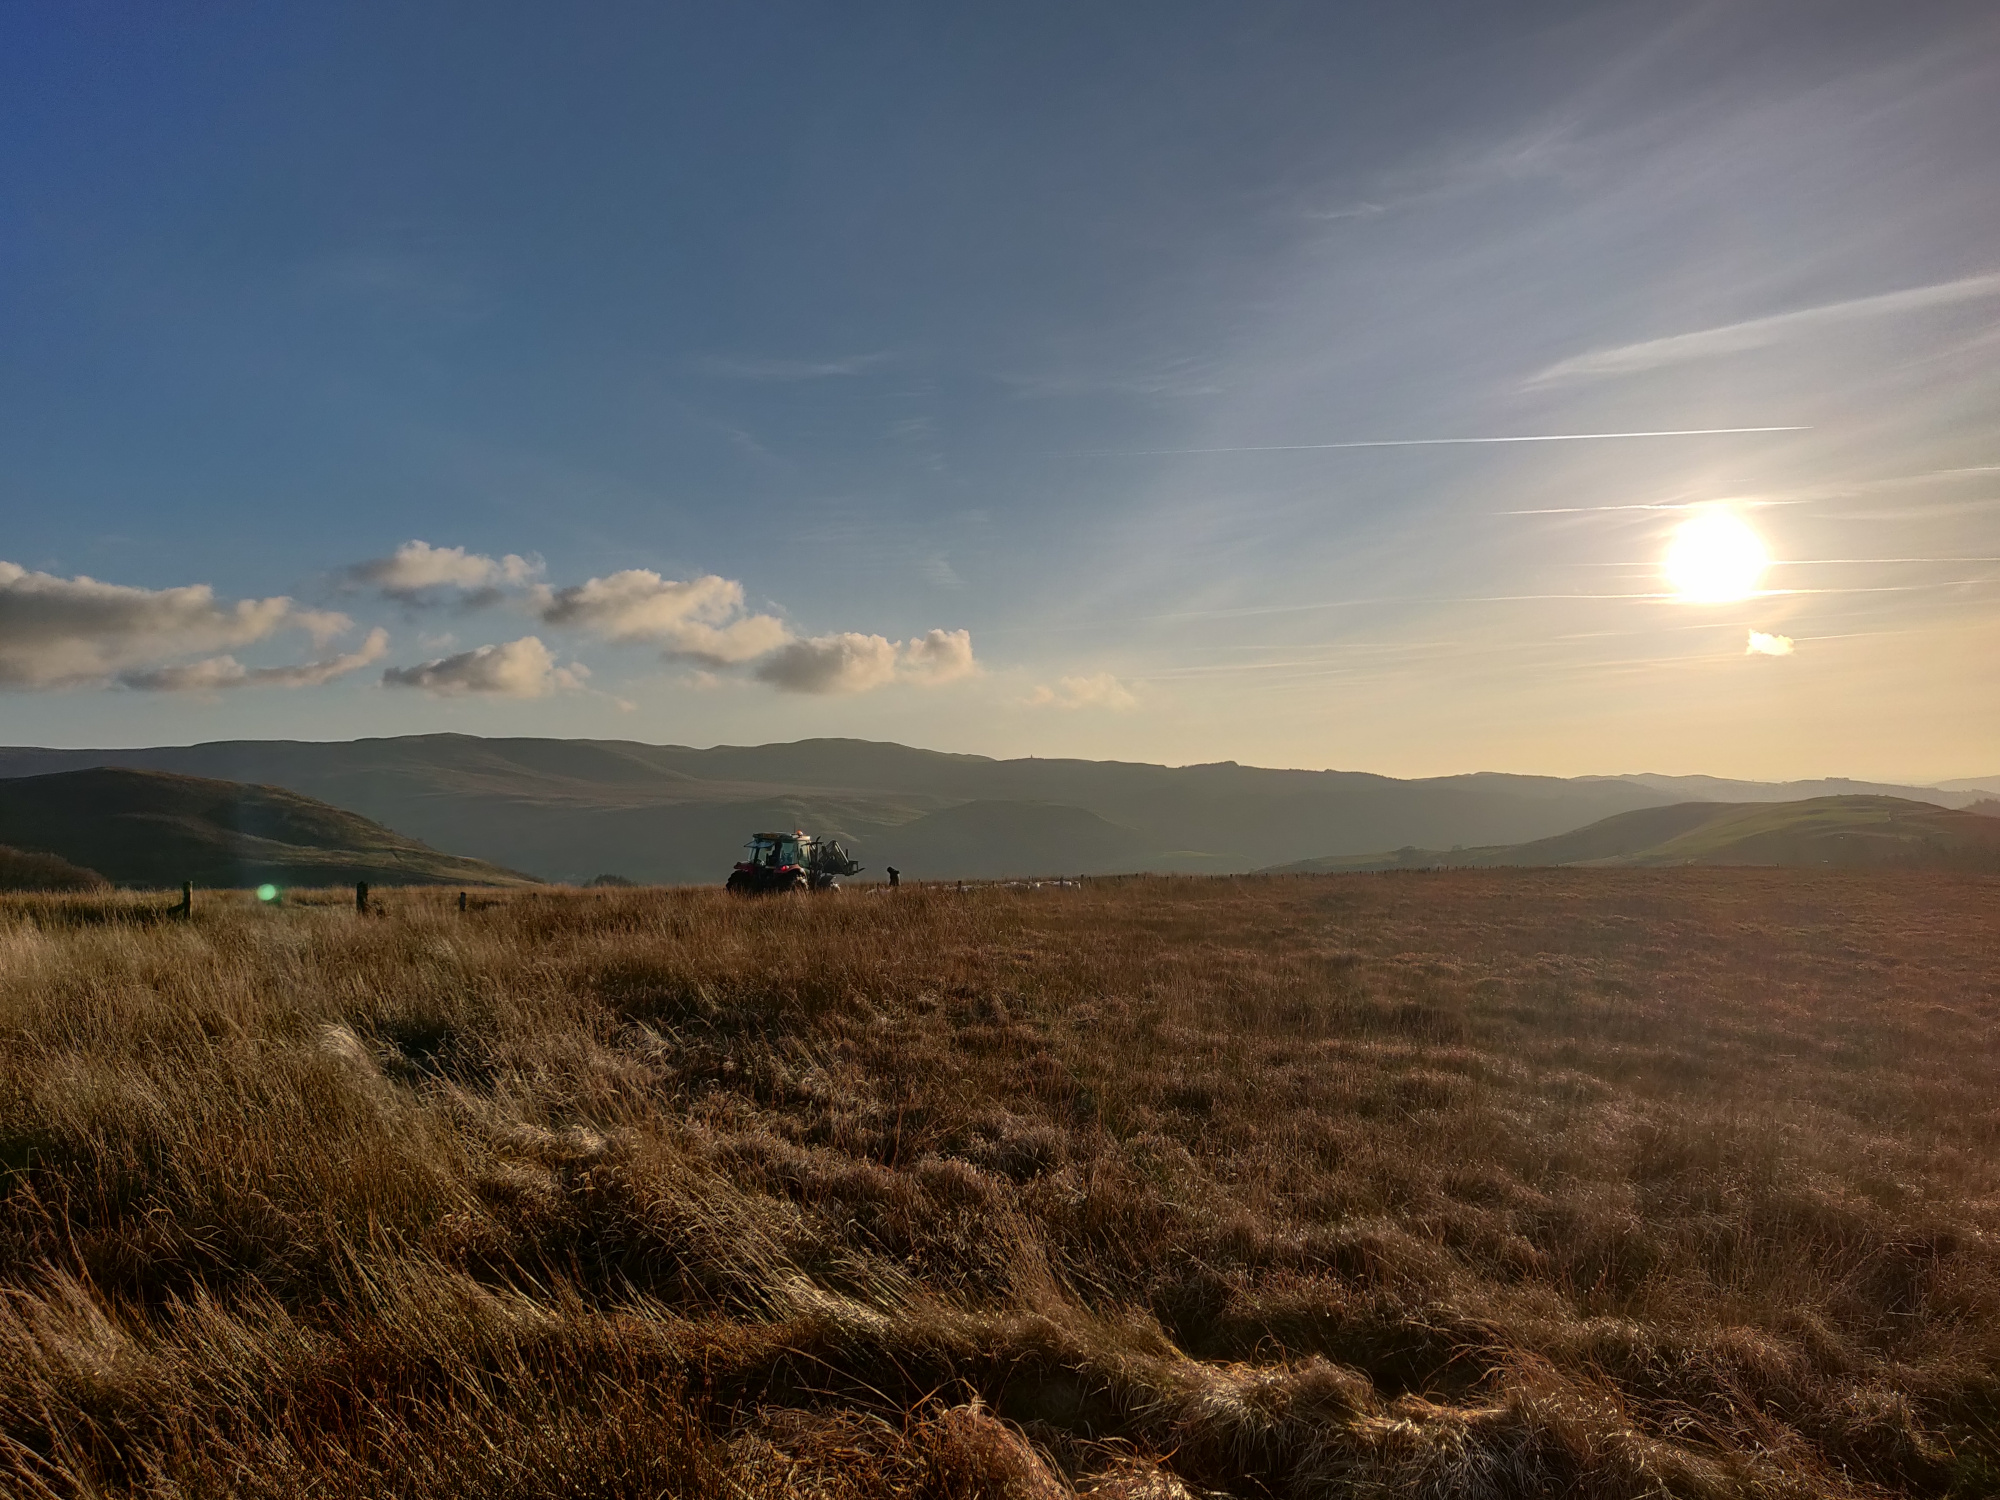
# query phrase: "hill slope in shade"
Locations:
[[990, 840], [150, 828], [571, 809], [22, 870], [1851, 832]]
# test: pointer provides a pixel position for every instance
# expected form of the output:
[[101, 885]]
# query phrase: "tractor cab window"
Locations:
[[789, 853]]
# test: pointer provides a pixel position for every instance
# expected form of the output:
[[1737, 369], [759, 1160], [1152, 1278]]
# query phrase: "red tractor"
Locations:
[[790, 862]]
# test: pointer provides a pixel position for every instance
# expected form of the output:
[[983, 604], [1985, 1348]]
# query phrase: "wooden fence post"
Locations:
[[187, 898], [361, 898]]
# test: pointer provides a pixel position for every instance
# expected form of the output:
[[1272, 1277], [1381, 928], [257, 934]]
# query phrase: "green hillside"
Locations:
[[1852, 831], [149, 828]]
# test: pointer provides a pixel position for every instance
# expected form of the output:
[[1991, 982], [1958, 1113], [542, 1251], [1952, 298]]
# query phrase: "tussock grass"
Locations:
[[1452, 1184]]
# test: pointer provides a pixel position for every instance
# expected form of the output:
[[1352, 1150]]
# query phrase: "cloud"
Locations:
[[844, 663], [938, 657], [1362, 210], [1100, 690], [519, 669], [743, 368], [416, 569], [699, 620], [1756, 333], [1187, 375], [58, 631], [1769, 645], [219, 672], [939, 573], [853, 663]]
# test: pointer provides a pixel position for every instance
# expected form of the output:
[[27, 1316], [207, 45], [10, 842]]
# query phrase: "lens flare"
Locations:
[[267, 893], [1715, 559]]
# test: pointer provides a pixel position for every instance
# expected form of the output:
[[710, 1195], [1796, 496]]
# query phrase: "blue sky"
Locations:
[[956, 375]]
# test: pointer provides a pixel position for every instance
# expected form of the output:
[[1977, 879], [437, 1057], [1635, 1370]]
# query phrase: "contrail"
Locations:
[[1436, 442]]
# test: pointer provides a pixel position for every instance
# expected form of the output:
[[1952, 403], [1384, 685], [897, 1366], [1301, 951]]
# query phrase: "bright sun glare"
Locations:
[[1715, 559]]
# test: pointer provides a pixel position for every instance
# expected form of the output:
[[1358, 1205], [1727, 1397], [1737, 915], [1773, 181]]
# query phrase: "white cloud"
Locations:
[[416, 568], [518, 669], [1769, 645], [938, 656], [218, 672], [700, 619], [1099, 690], [321, 624], [58, 631], [854, 663], [1756, 333]]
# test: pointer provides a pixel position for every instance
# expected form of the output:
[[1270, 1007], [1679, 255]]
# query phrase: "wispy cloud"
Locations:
[[1362, 210], [938, 571], [1769, 645], [746, 367], [1172, 379], [217, 673], [57, 631], [1098, 690], [1432, 442], [1757, 333], [403, 280]]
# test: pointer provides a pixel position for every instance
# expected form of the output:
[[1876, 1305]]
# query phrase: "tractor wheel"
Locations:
[[739, 884], [800, 884]]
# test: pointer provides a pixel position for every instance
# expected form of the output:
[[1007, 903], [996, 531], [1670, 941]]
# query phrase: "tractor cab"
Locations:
[[775, 853]]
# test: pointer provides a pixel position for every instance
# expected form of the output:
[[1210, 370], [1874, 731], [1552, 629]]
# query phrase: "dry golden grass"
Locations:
[[1457, 1184]]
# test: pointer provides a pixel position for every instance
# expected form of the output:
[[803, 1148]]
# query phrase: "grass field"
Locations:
[[1468, 1183]]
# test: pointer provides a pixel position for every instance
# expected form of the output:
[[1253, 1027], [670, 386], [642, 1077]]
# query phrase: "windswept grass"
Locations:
[[1476, 1183]]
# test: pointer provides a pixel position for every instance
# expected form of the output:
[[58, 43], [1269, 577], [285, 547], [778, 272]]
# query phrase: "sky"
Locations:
[[1117, 380]]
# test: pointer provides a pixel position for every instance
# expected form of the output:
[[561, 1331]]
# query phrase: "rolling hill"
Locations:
[[572, 809], [1851, 831], [151, 828], [21, 870]]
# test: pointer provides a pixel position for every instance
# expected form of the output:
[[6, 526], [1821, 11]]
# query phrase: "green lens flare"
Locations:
[[267, 893]]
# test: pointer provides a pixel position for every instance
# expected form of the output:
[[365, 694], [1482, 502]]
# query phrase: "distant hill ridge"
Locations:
[[573, 809], [1855, 832], [157, 829]]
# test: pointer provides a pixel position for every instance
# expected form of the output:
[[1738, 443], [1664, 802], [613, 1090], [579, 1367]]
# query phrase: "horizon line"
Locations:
[[1919, 785]]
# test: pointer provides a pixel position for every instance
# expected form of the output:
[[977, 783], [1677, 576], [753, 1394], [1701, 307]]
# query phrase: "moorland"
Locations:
[[1453, 1183]]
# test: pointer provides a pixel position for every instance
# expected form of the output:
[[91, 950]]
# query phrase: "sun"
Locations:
[[1715, 559]]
